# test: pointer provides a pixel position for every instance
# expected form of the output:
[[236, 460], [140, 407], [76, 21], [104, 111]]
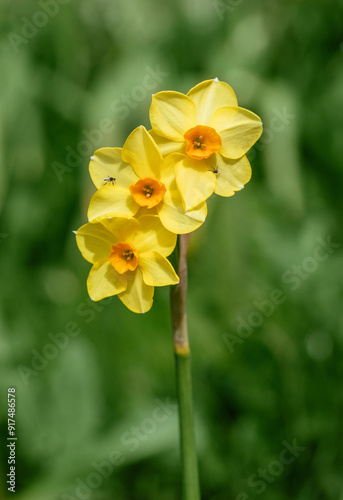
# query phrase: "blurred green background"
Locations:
[[78, 75]]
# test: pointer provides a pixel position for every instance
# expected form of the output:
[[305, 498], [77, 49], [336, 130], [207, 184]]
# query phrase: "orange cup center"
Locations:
[[202, 142], [148, 192], [123, 257]]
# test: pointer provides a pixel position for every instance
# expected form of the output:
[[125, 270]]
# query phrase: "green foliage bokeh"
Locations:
[[83, 80]]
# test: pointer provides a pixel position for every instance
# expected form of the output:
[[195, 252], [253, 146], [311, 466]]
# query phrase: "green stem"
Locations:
[[190, 481]]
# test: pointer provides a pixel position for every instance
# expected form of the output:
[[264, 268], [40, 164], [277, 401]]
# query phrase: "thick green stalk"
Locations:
[[190, 480]]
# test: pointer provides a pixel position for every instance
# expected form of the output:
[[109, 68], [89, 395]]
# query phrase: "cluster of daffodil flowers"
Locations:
[[156, 187]]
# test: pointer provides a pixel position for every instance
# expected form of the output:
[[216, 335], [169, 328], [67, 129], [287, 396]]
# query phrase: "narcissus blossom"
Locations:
[[129, 259], [207, 136], [134, 180]]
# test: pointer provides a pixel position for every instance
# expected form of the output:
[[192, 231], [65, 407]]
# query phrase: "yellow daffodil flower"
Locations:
[[129, 259], [207, 135], [135, 180]]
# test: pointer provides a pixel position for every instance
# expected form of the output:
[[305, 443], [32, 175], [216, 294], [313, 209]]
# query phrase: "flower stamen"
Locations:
[[128, 254], [198, 143], [148, 190]]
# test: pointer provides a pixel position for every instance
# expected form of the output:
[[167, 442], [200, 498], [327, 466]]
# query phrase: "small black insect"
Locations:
[[216, 171], [110, 180]]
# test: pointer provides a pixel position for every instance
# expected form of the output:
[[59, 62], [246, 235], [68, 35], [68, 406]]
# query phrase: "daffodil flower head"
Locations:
[[207, 135], [129, 258], [136, 180]]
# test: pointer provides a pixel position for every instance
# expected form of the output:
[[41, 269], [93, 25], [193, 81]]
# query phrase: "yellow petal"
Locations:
[[232, 175], [176, 220], [238, 128], [166, 146], [171, 210], [138, 296], [104, 281], [157, 270], [172, 114], [145, 211], [142, 153], [195, 181], [152, 236], [121, 227], [210, 95], [94, 242], [111, 201], [106, 163], [168, 171]]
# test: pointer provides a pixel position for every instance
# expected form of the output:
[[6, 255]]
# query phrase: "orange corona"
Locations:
[[123, 257], [148, 192], [202, 142]]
